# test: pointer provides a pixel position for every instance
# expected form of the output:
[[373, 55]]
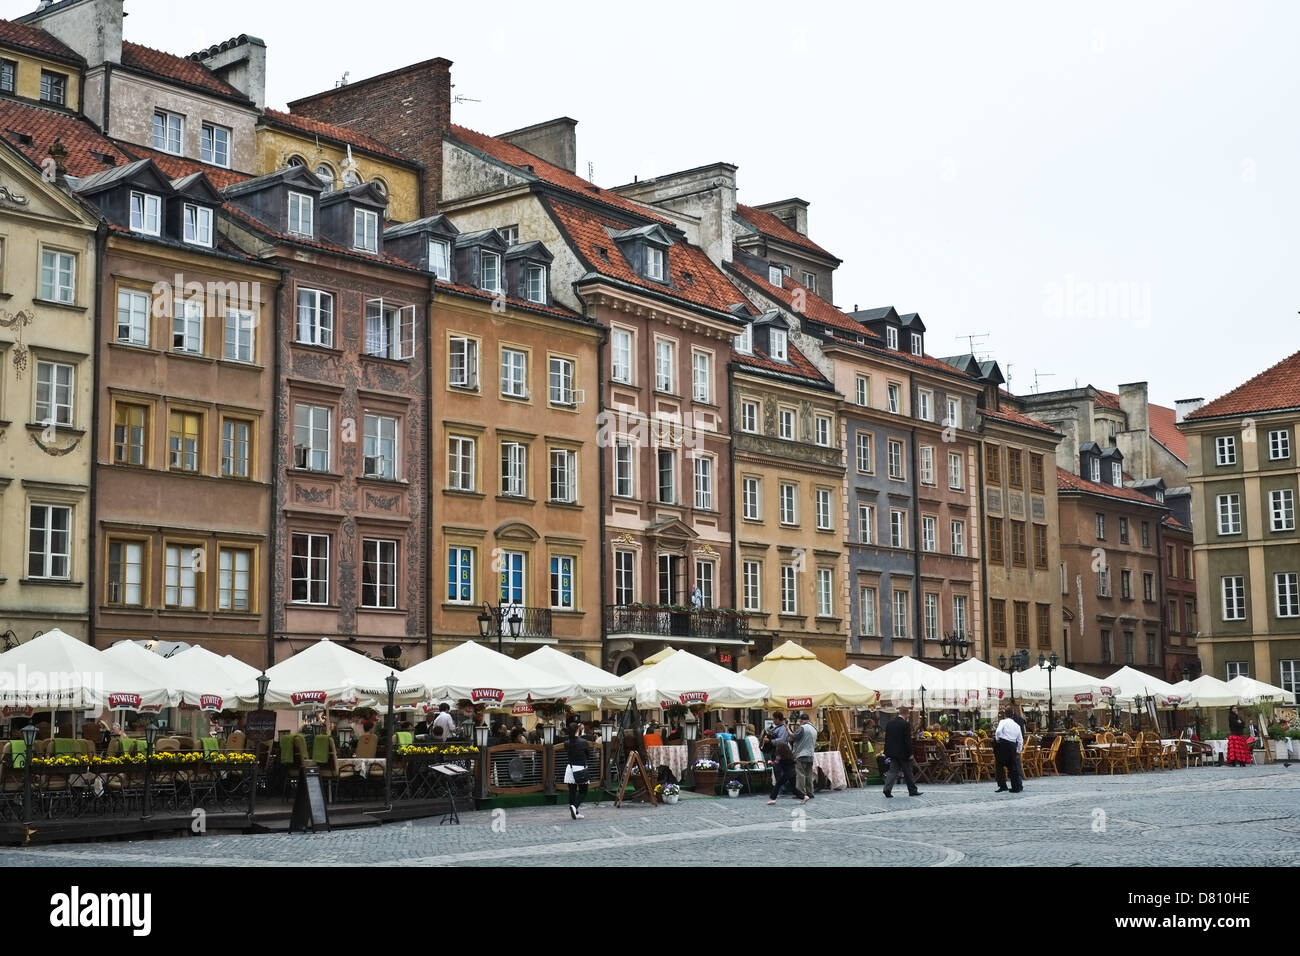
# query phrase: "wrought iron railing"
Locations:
[[673, 621], [534, 621]]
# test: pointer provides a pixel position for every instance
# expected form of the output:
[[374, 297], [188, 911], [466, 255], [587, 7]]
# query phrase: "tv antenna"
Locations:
[[464, 99], [343, 80], [1037, 376], [970, 339], [591, 171]]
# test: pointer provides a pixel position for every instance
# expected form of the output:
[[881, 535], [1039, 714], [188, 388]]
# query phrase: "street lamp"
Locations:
[[955, 644], [923, 724], [391, 683], [263, 682], [690, 727], [150, 738], [1018, 661], [514, 622], [1049, 664], [29, 743]]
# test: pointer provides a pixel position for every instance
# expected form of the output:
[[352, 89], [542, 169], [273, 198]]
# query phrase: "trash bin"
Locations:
[[1069, 758]]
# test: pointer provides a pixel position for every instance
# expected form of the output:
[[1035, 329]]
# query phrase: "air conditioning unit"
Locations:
[[300, 456], [375, 466]]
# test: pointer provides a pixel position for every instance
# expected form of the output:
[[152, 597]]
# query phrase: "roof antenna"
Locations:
[[970, 340], [464, 99], [343, 80], [1037, 376], [591, 172]]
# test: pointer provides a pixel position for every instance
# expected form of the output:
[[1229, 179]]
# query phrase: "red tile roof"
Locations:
[[814, 306], [174, 167], [548, 173], [1005, 414], [473, 292], [1108, 400], [1169, 521], [774, 228], [1067, 481], [84, 143], [36, 40], [177, 69], [338, 134], [695, 279], [1272, 390], [798, 364]]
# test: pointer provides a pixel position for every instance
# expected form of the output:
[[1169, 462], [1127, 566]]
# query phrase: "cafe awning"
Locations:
[[479, 674], [797, 679], [57, 671], [328, 676], [683, 678], [596, 688]]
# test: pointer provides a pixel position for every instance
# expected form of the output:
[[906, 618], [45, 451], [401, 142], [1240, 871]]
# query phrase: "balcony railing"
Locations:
[[535, 623], [664, 621]]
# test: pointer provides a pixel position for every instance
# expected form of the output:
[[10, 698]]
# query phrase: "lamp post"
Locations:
[[391, 683], [481, 732], [29, 741], [548, 741], [514, 622], [1018, 661], [263, 682], [923, 725], [1049, 664], [955, 645], [690, 727], [606, 738], [150, 738]]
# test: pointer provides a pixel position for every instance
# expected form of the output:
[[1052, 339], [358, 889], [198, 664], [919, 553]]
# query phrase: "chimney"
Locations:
[[93, 27], [793, 212], [555, 141], [1135, 440], [408, 109], [241, 62], [1185, 406], [702, 201]]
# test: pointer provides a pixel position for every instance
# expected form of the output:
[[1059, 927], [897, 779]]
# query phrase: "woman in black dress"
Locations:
[[577, 750], [1238, 744]]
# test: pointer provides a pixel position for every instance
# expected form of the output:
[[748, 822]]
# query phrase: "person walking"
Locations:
[[803, 741], [577, 751], [898, 751], [1008, 741], [780, 732], [1014, 713], [783, 767]]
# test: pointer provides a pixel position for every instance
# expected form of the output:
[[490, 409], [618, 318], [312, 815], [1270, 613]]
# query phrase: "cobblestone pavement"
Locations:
[[1200, 816]]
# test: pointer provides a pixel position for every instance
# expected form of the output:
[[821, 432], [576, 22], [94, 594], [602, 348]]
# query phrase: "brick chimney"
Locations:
[[408, 110], [241, 62]]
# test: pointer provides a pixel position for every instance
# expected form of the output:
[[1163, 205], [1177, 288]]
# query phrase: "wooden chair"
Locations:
[[1091, 757], [985, 763], [1031, 760], [942, 768], [368, 745], [1047, 765]]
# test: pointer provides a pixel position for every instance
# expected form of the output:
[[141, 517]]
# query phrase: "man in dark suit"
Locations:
[[898, 748]]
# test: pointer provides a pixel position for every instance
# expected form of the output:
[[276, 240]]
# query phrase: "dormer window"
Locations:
[[167, 129], [440, 258], [198, 225], [8, 76], [916, 343], [891, 337], [365, 230], [146, 213], [535, 285], [774, 275], [1160, 496], [745, 340], [489, 276], [1096, 470], [1116, 474], [654, 263], [779, 350], [301, 218]]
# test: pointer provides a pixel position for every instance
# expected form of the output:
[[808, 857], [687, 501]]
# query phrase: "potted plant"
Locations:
[[733, 788], [669, 792], [706, 776]]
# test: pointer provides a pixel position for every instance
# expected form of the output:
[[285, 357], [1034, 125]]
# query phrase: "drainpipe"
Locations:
[[984, 553], [278, 392], [93, 539], [731, 489], [430, 559], [917, 618], [600, 418]]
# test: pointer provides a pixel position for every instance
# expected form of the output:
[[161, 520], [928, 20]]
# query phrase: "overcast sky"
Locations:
[[1108, 191]]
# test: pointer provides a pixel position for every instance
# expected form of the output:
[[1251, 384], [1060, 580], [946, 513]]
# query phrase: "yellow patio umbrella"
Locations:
[[799, 680]]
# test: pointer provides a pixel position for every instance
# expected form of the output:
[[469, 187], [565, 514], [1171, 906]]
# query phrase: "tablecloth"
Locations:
[[361, 765], [673, 757], [831, 762]]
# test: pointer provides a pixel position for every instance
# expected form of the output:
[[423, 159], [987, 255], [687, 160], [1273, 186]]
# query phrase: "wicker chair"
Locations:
[[1047, 763]]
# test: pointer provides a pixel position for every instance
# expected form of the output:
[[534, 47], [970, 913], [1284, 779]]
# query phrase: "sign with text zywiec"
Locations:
[[694, 697], [300, 697], [211, 702], [486, 695], [123, 701], [1083, 698]]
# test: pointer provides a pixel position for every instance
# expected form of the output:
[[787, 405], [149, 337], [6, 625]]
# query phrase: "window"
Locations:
[[54, 393], [1095, 471], [167, 132], [824, 510], [621, 349], [535, 284], [133, 310], [930, 616], [1018, 544], [238, 337], [825, 592], [146, 213], [866, 524], [1021, 611], [365, 230], [1103, 582], [624, 578], [8, 76], [954, 414], [665, 362], [460, 464], [929, 534], [1290, 675], [1123, 530], [778, 341], [1040, 546], [867, 612], [788, 495], [234, 579], [378, 573], [325, 175], [236, 441], [704, 483], [751, 493], [311, 437], [896, 460], [390, 331], [310, 569], [129, 429], [809, 280], [184, 441], [300, 214], [774, 275], [744, 342], [1171, 564], [669, 570], [180, 576], [865, 464], [667, 477], [897, 528], [379, 456], [1036, 473], [891, 337], [126, 573], [460, 575], [560, 381], [996, 553], [58, 276], [823, 425], [623, 485], [1148, 586], [1107, 647], [753, 591], [1225, 450], [198, 224], [1234, 598], [1236, 669], [998, 622], [959, 614], [785, 423], [893, 398], [916, 345], [958, 530], [654, 263], [901, 602], [440, 258], [214, 145], [1146, 534], [1015, 477], [315, 318], [489, 275], [1282, 506], [1279, 444], [463, 362], [993, 465], [927, 465], [925, 405], [1126, 584], [864, 391], [187, 326], [564, 476], [562, 582], [1288, 594], [748, 416], [1128, 648], [1116, 475], [789, 589], [1173, 617], [956, 470], [1229, 509], [1101, 527], [1187, 564]]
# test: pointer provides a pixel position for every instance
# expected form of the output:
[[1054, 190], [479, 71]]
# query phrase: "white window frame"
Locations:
[[701, 376], [930, 615], [624, 578], [667, 490], [959, 614], [187, 326], [752, 579], [1228, 509], [365, 230], [56, 267], [180, 577], [440, 259], [1232, 592], [489, 279], [655, 262], [197, 224], [774, 275], [865, 459], [463, 373], [897, 469], [214, 145], [137, 309], [311, 431], [317, 558], [620, 345], [954, 414], [929, 533], [825, 592], [239, 337], [824, 510], [957, 531], [788, 498], [751, 495], [665, 365], [1225, 450], [748, 416], [863, 391], [514, 373], [535, 286], [461, 463], [1281, 506], [1095, 470], [956, 470], [560, 374], [379, 556], [866, 524], [51, 551], [744, 342], [894, 392], [902, 600], [563, 598], [927, 465], [235, 580], [624, 469], [785, 424], [925, 405], [1279, 444], [822, 426], [236, 447], [1116, 474], [461, 558], [315, 314], [891, 338], [916, 344], [389, 330], [897, 528], [172, 140], [302, 214], [564, 476], [1286, 593], [382, 441], [60, 385], [702, 470], [866, 612], [789, 589], [146, 213], [780, 343]]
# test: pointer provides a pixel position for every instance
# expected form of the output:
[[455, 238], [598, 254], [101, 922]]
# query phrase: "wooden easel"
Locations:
[[635, 758], [841, 741]]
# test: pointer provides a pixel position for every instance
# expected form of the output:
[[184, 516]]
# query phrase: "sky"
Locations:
[[1104, 192]]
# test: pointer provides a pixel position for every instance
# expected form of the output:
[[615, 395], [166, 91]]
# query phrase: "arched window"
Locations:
[[381, 186], [296, 160], [325, 173]]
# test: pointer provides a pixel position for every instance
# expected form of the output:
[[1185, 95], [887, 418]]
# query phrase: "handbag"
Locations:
[[575, 774]]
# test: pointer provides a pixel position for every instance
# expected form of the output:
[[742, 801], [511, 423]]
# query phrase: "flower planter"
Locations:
[[706, 781], [672, 797], [733, 792]]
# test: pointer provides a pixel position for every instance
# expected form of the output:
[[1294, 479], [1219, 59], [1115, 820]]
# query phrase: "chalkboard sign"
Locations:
[[259, 728], [309, 811]]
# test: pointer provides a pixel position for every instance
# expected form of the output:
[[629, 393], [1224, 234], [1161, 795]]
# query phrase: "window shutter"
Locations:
[[407, 337], [375, 327]]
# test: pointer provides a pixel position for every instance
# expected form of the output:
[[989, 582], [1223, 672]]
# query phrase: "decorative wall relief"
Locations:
[[17, 321]]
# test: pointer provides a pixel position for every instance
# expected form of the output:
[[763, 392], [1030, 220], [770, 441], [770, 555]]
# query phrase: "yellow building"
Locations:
[[37, 67]]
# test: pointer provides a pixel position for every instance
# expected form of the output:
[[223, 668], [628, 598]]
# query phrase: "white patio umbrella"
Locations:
[[1206, 691], [328, 675], [649, 662], [139, 660], [1068, 686], [596, 688], [977, 683], [239, 670], [683, 678], [204, 679], [1256, 691], [479, 674], [900, 681], [1129, 682], [57, 671]]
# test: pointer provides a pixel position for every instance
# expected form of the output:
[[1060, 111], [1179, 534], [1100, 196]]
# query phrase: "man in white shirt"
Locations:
[[1008, 742], [444, 726]]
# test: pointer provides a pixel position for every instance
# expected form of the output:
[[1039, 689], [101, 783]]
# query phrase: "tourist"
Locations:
[[444, 725], [1238, 743], [783, 765], [1013, 711], [898, 752], [577, 750], [1008, 741], [803, 741]]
